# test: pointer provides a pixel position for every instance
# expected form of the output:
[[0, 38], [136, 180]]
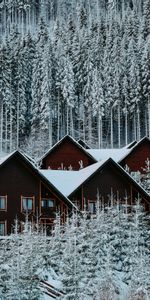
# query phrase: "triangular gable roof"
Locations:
[[134, 148], [83, 144], [37, 172], [68, 181], [70, 138], [75, 179]]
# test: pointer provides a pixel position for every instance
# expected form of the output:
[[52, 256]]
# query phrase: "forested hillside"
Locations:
[[76, 67]]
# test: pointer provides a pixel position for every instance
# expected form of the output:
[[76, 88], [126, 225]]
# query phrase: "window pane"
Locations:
[[2, 228], [2, 203], [50, 203], [27, 203], [30, 204], [43, 203], [47, 203], [24, 203], [92, 207]]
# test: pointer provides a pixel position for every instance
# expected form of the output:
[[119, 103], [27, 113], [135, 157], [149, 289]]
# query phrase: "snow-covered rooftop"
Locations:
[[5, 156], [103, 154], [67, 181]]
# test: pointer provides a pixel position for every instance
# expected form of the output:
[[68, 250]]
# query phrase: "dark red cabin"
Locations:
[[109, 182], [23, 190], [136, 158], [66, 154]]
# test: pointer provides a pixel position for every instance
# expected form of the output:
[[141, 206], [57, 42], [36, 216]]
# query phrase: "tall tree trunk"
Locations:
[[111, 129], [119, 124], [126, 127], [22, 23], [134, 127], [89, 126], [71, 122], [50, 127], [99, 130], [138, 125], [17, 122], [11, 131], [84, 124], [1, 127], [6, 131], [58, 120], [149, 116], [146, 122], [67, 121]]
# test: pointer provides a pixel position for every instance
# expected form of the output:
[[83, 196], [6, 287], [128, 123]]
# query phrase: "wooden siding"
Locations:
[[66, 153], [106, 181], [136, 159], [17, 180]]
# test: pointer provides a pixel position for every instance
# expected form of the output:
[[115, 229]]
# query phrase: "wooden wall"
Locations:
[[136, 160], [68, 154], [105, 182], [16, 180]]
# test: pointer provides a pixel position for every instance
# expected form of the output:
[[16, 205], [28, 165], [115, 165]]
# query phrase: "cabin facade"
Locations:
[[24, 191], [111, 184], [66, 154], [40, 193], [137, 156], [106, 181]]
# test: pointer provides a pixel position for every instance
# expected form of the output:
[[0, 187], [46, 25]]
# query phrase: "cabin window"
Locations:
[[3, 202], [47, 203], [27, 203], [2, 228], [92, 207]]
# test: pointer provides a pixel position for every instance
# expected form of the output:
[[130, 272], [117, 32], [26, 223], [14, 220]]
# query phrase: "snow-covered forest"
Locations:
[[77, 67], [105, 257]]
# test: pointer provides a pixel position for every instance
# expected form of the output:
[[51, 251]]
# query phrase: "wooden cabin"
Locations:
[[67, 154], [106, 180], [137, 156], [111, 184], [25, 191]]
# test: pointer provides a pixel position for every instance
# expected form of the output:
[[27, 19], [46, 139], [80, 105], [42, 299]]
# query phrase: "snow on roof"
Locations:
[[130, 145], [5, 156], [103, 154], [115, 153], [67, 181]]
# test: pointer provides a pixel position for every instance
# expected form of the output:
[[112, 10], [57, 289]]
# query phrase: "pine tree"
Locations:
[[6, 95], [145, 177], [98, 104]]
